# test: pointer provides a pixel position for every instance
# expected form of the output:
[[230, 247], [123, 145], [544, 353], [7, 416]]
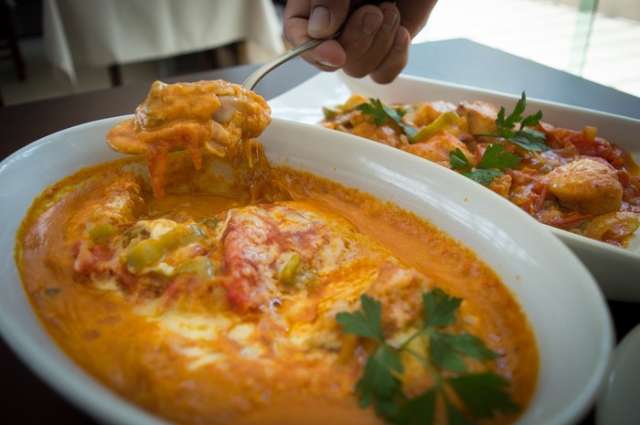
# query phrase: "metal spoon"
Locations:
[[259, 73]]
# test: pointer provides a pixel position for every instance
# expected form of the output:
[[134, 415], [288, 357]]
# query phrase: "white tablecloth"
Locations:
[[106, 32]]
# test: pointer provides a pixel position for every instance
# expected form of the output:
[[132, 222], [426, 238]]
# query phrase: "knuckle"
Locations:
[[288, 30], [355, 72], [356, 45], [385, 78]]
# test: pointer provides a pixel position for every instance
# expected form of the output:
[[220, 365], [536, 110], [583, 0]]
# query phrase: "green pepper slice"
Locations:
[[288, 272], [149, 251], [443, 121]]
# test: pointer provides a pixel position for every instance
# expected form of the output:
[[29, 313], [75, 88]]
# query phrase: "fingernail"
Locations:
[[371, 22], [319, 21], [401, 41], [329, 64]]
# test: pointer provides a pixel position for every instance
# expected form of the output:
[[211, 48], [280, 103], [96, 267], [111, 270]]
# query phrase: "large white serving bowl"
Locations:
[[561, 299], [616, 269]]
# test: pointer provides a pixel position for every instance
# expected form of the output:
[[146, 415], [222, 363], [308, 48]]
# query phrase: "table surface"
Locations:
[[459, 61]]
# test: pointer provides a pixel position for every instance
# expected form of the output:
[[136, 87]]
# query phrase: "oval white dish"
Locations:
[[562, 301], [616, 269], [618, 403]]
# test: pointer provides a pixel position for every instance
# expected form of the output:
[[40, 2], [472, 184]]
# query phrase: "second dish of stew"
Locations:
[[573, 180]]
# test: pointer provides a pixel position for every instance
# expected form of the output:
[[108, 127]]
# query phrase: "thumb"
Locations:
[[326, 17]]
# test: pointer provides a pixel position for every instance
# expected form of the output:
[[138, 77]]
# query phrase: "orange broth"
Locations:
[[136, 357]]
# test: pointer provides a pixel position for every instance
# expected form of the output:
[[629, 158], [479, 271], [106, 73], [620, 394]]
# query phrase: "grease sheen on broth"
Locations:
[[235, 323]]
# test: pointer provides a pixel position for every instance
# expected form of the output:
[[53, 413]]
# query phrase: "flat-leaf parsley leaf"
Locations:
[[495, 160], [459, 161], [381, 113], [439, 308], [484, 394], [477, 395], [515, 128], [379, 383], [365, 323], [496, 156], [484, 177]]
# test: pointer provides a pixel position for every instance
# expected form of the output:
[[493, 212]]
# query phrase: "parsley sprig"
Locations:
[[494, 161], [382, 113], [479, 394], [516, 128]]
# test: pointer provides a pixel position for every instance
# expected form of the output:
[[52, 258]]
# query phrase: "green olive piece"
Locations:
[[199, 266], [100, 233], [144, 254], [179, 236]]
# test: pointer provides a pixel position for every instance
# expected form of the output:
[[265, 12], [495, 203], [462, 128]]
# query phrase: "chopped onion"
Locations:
[[227, 108]]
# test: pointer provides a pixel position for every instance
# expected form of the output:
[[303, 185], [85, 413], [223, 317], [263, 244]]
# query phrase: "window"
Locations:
[[599, 40]]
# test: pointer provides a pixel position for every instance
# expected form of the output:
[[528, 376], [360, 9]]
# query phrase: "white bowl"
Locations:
[[616, 269], [562, 301], [618, 402]]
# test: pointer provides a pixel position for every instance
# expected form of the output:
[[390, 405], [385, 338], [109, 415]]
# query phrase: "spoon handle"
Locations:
[[259, 73]]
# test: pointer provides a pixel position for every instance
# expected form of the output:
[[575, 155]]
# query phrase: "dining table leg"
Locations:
[[115, 75]]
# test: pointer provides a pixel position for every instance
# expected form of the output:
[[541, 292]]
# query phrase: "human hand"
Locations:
[[374, 40]]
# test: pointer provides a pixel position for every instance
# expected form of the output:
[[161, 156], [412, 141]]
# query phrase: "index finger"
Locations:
[[329, 55], [326, 17], [415, 13]]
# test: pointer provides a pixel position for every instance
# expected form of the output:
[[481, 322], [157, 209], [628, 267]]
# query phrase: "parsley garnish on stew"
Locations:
[[495, 160], [441, 352], [524, 136], [381, 113]]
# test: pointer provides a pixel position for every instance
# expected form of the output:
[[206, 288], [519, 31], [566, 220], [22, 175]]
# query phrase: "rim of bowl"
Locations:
[[102, 403]]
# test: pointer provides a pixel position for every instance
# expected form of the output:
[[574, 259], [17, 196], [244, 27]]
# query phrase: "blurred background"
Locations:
[[51, 48]]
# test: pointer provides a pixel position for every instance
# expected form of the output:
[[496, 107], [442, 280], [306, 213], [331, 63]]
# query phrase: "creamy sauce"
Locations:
[[206, 362]]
